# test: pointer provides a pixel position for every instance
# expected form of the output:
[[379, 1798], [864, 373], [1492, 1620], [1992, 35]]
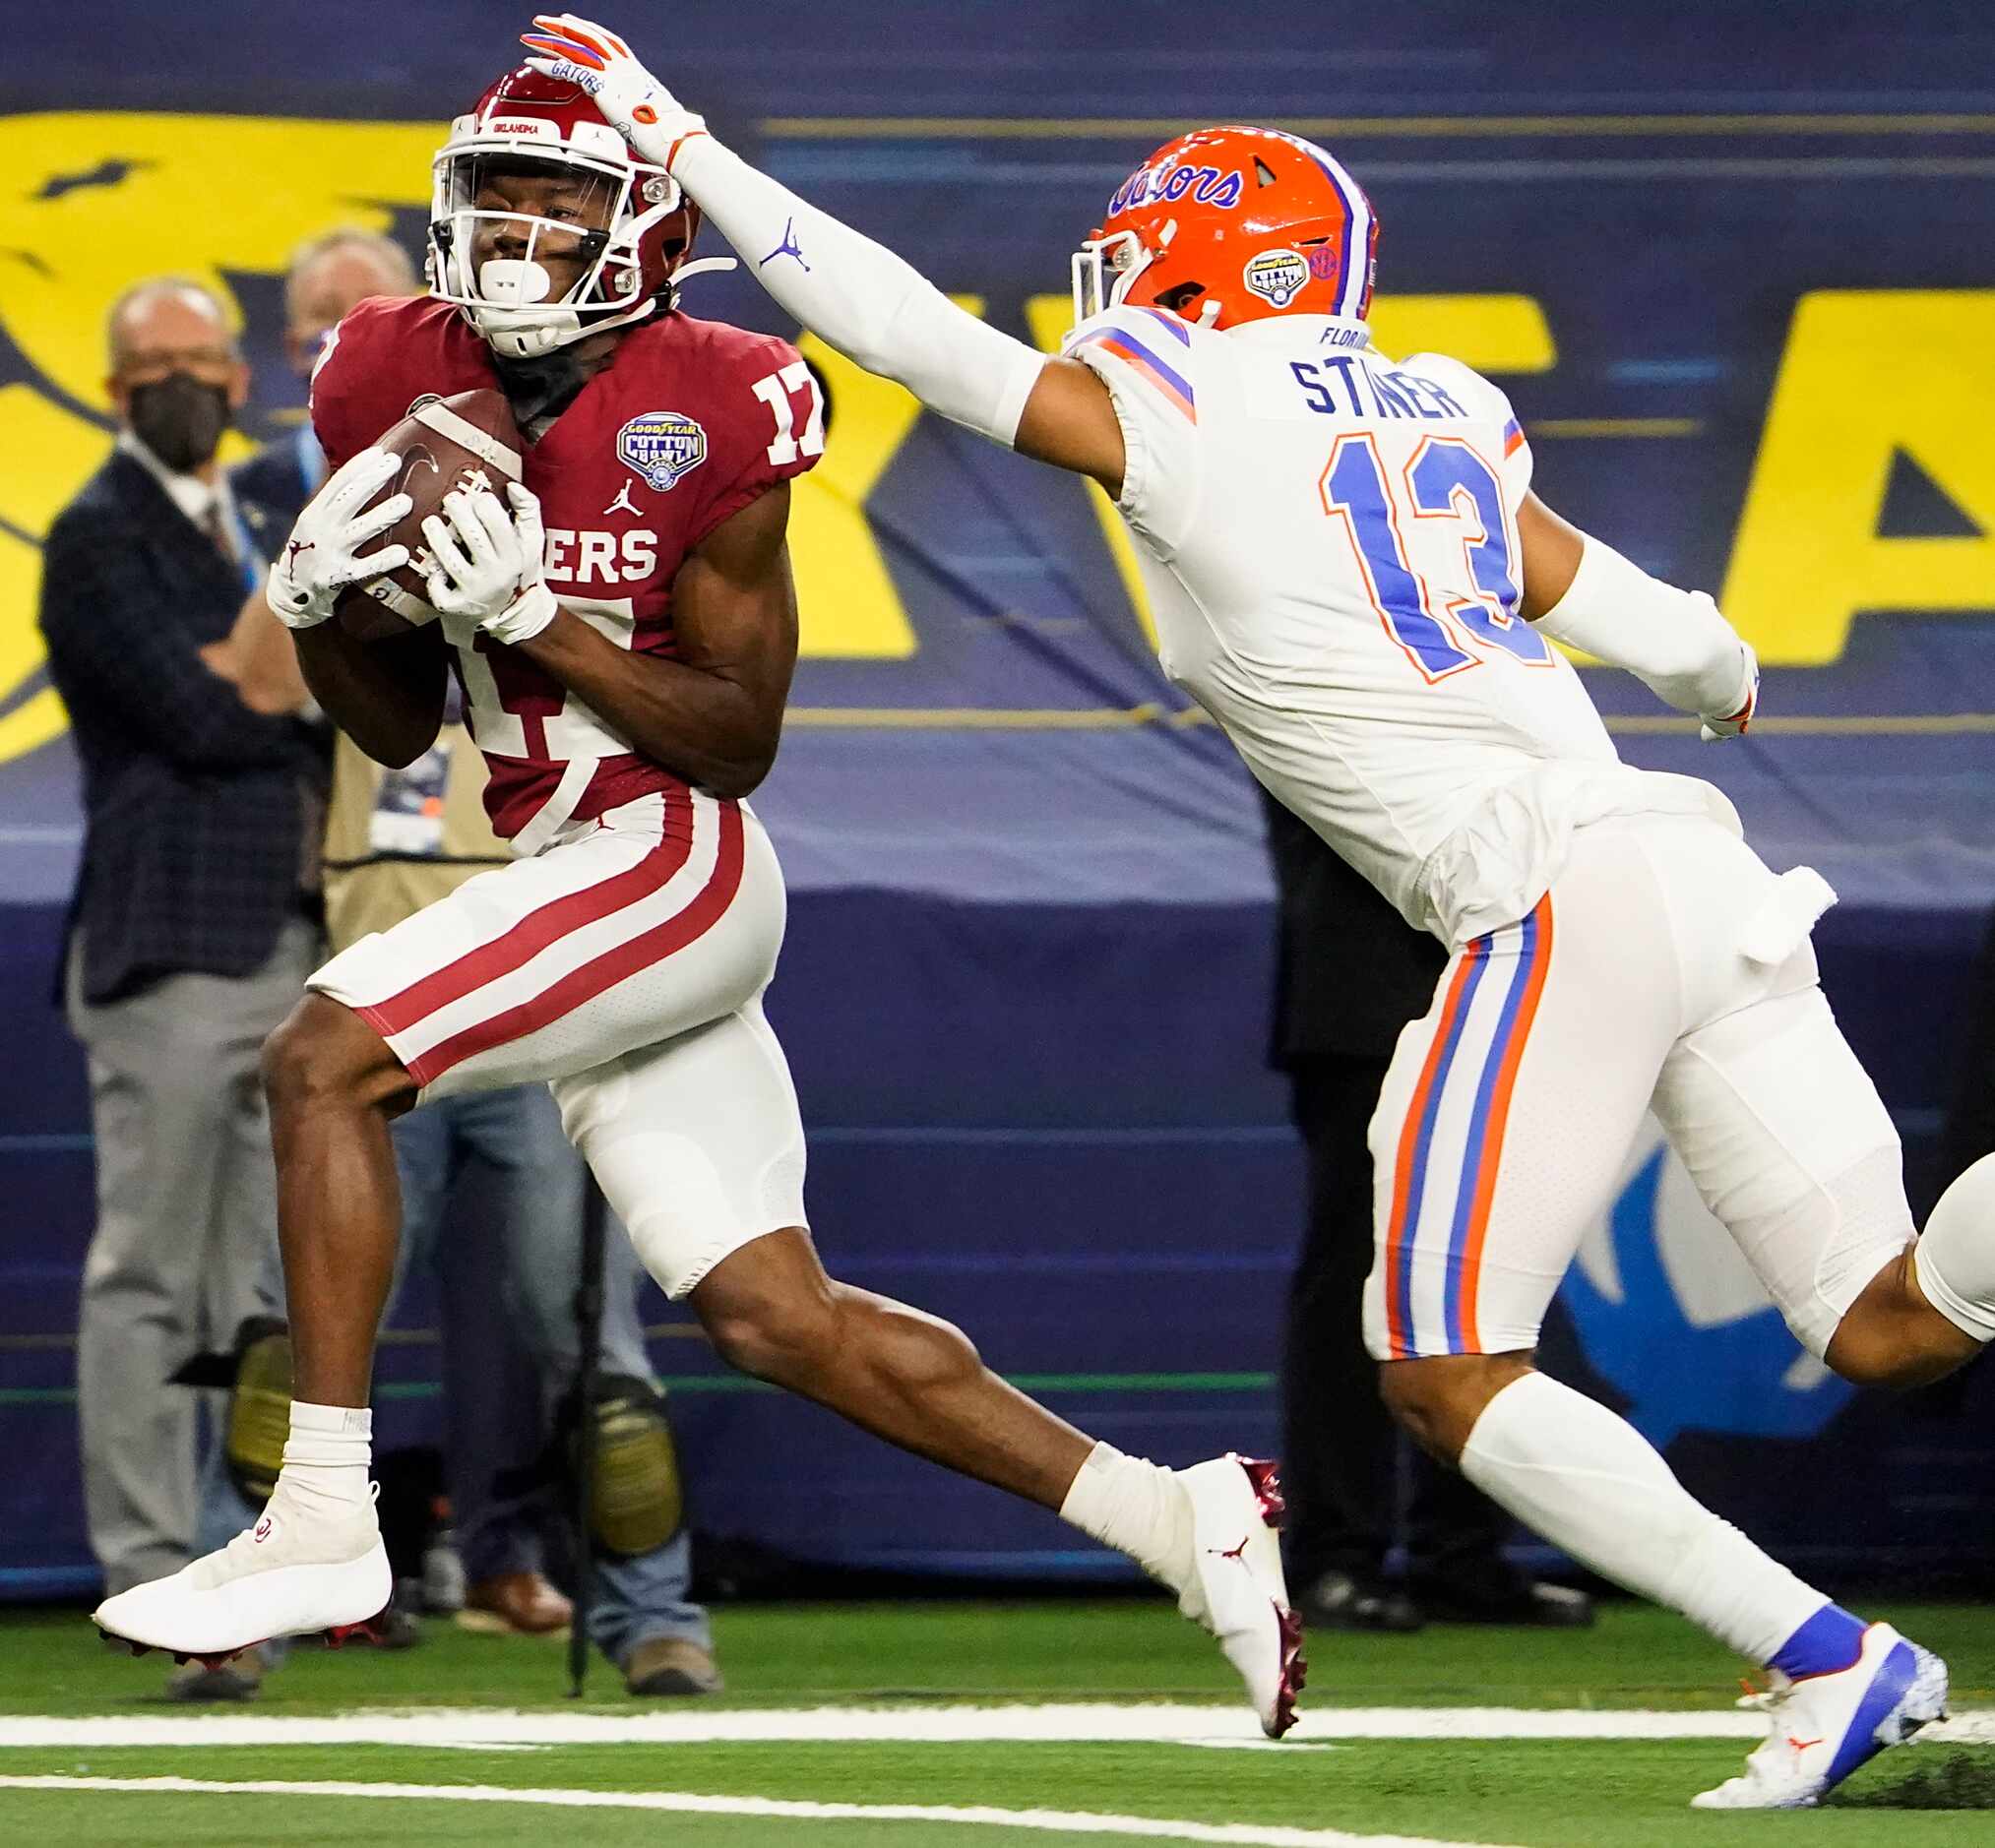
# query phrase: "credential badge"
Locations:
[[662, 447]]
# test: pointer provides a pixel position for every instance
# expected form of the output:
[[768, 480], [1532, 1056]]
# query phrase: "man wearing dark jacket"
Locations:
[[1351, 973], [191, 928]]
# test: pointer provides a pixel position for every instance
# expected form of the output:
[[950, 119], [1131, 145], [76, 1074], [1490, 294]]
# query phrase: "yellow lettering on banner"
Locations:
[[40, 717], [1491, 333], [1865, 373], [96, 202], [846, 604]]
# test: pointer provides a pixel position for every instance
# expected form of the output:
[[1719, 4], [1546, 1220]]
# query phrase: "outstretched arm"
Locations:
[[1675, 642], [855, 293]]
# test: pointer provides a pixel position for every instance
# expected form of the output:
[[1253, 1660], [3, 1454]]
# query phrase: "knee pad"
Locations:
[[636, 1498], [1792, 1149], [1817, 1254], [1956, 1259]]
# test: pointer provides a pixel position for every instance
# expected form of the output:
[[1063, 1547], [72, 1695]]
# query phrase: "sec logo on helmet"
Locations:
[[1278, 276], [662, 447]]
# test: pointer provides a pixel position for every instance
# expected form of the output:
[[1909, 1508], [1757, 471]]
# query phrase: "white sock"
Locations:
[[1137, 1508], [1954, 1258], [326, 1458], [1591, 1483]]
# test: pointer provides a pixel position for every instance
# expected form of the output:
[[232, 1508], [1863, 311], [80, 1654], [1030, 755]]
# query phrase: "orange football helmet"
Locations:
[[1231, 224]]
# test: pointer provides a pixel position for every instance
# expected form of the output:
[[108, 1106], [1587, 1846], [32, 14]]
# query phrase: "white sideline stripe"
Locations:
[[1093, 1723], [1080, 1723], [1057, 1821]]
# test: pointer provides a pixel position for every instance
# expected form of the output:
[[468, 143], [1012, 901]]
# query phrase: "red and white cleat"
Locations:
[[284, 1577], [1237, 1590]]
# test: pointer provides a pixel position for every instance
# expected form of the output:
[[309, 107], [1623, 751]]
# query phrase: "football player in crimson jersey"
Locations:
[[623, 629], [1349, 571]]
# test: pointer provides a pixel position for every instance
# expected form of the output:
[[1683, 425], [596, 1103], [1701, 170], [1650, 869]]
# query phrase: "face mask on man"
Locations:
[[179, 419]]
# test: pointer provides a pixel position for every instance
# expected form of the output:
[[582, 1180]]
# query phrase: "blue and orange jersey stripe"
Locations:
[[1512, 438], [1176, 389], [1487, 1127], [1410, 1179]]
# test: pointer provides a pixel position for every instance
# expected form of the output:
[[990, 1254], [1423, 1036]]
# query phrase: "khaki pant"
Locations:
[[185, 1245]]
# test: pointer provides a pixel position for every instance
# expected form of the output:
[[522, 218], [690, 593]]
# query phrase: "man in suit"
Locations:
[[1349, 974], [192, 927]]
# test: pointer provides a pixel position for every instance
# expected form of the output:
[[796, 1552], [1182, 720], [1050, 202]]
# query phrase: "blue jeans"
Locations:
[[529, 1179]]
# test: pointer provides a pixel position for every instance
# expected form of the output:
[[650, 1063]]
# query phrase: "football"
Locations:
[[443, 443]]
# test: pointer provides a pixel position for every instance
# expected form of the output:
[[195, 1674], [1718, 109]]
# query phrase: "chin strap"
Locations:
[[702, 265], [525, 340]]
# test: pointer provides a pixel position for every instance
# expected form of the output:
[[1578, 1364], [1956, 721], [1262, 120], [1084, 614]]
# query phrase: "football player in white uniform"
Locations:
[[1350, 574]]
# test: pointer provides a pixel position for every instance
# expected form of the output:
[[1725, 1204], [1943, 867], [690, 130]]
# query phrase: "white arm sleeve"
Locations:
[[1673, 641], [862, 298]]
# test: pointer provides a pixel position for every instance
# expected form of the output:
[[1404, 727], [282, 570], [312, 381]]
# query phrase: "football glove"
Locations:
[[485, 564], [596, 61], [1714, 727], [323, 555]]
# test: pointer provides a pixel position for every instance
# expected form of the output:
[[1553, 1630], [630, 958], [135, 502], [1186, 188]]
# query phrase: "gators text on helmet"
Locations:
[[1231, 224]]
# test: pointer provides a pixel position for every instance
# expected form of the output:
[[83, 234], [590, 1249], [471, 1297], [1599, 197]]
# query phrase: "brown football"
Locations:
[[443, 443]]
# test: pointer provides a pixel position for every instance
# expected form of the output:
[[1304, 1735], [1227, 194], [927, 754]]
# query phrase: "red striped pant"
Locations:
[[623, 964]]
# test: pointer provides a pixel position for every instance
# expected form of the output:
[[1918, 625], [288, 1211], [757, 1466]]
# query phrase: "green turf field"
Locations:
[[1118, 1719]]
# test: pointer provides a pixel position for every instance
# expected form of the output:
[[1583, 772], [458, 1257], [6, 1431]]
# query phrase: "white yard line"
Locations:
[[1050, 1822], [1157, 1723]]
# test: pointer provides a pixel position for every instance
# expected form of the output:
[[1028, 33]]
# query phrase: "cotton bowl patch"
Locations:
[[662, 447], [1277, 276]]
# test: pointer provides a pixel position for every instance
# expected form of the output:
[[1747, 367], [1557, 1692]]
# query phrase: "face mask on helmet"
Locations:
[[1103, 270], [543, 252]]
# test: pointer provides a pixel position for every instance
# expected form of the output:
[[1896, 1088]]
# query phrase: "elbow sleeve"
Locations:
[[1675, 642], [869, 303]]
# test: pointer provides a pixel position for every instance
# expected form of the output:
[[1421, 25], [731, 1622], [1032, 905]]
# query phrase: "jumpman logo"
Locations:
[[623, 503], [789, 247]]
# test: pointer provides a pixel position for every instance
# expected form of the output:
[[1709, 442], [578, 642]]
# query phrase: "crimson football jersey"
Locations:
[[687, 424]]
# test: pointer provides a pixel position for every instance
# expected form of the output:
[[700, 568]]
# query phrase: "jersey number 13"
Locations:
[[1447, 625]]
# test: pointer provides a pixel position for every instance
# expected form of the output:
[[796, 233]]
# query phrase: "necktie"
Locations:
[[217, 527]]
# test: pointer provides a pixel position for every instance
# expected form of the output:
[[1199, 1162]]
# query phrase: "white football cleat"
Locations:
[[286, 1576], [1238, 1592], [1825, 1726]]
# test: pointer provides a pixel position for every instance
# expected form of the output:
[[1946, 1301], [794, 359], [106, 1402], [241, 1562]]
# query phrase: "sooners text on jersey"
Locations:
[[689, 422]]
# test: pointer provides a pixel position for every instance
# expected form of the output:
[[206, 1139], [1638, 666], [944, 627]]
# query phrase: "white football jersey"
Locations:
[[1329, 541]]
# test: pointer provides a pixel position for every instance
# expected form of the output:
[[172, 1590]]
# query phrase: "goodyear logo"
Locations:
[[1278, 276], [662, 447]]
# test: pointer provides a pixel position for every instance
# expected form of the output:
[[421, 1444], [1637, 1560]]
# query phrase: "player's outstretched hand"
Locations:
[[1716, 727], [594, 59], [485, 564], [323, 555]]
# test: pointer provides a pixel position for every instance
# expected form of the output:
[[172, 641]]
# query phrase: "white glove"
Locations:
[[323, 555], [645, 112], [485, 564], [1716, 727]]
